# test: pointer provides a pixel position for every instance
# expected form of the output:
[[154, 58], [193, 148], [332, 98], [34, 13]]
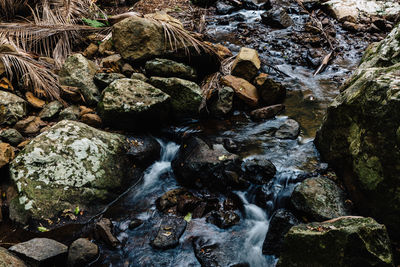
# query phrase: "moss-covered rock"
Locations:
[[70, 165], [169, 68], [359, 136], [345, 241], [12, 108]]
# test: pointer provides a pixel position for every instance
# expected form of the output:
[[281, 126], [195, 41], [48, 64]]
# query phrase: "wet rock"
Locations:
[[277, 18], [259, 171], [135, 223], [70, 113], [92, 120], [30, 125], [270, 92], [34, 101], [131, 104], [199, 165], [320, 198], [359, 137], [12, 108], [171, 229], [6, 154], [224, 9], [266, 112], [11, 136], [281, 222], [139, 76], [231, 145], [249, 5], [186, 96], [104, 232], [81, 252], [178, 199], [204, 3], [144, 150], [246, 64], [223, 219], [102, 80], [223, 102], [8, 259], [169, 68], [345, 241], [290, 129], [77, 71], [243, 89], [51, 110], [70, 165], [41, 252]]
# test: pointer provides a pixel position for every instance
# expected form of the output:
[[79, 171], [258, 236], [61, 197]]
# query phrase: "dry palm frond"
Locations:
[[34, 74], [9, 8]]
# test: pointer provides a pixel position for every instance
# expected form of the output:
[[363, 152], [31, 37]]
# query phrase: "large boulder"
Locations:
[[168, 68], [79, 72], [186, 96], [70, 165], [12, 108], [345, 241], [360, 135], [129, 104]]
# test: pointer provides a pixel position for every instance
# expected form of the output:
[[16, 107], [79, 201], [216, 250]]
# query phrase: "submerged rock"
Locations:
[[223, 219], [169, 68], [12, 108], [246, 64], [171, 229], [266, 112], [259, 171], [81, 252], [290, 129], [345, 241], [179, 200], [67, 166]]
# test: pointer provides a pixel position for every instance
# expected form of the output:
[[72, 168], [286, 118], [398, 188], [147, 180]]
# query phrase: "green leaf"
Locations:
[[42, 229], [188, 217], [94, 23], [76, 210]]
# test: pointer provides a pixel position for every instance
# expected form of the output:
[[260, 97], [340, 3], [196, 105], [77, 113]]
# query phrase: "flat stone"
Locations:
[[270, 91], [34, 101], [171, 229], [266, 112]]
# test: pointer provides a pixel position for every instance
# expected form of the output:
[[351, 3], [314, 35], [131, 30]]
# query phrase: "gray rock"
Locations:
[[144, 150], [186, 96], [320, 198], [139, 76], [259, 171], [171, 229], [70, 165], [290, 129], [131, 104], [277, 18], [81, 252], [222, 105], [224, 9], [79, 72], [12, 108], [51, 110], [169, 68], [11, 136], [102, 80], [8, 259], [41, 252], [70, 113]]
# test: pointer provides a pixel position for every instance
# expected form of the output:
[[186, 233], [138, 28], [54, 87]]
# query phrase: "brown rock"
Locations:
[[30, 125], [5, 84], [6, 154], [91, 119], [103, 232], [105, 46], [34, 101], [246, 64], [23, 143], [113, 62], [243, 89], [85, 110], [71, 93], [266, 112], [91, 50], [271, 92]]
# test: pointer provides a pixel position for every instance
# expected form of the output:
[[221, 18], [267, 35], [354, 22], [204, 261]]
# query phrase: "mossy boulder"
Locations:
[[70, 165], [12, 108], [359, 137], [345, 241], [169, 68]]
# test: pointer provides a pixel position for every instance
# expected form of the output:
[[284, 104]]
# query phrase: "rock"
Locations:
[[345, 241], [259, 171], [171, 229], [113, 63], [91, 50], [224, 9], [222, 104], [199, 165], [143, 150], [85, 110], [135, 223], [246, 64], [186, 96], [12, 108], [243, 89], [270, 92], [139, 76], [127, 70], [277, 17], [30, 125], [79, 72], [41, 252], [131, 104], [67, 166], [104, 232], [223, 219], [359, 137], [102, 80], [320, 198], [6, 154], [290, 129], [92, 120], [179, 200], [11, 136], [8, 259], [204, 3], [81, 252], [106, 46], [34, 101], [266, 112], [70, 113], [169, 68], [51, 110], [281, 222]]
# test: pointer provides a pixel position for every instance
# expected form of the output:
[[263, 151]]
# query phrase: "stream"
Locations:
[[307, 100]]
